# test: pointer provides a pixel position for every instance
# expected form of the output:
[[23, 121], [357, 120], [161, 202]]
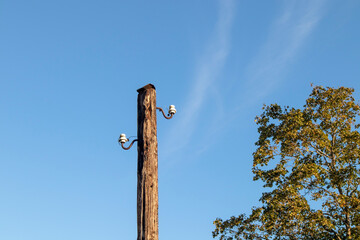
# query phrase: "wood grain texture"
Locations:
[[147, 187]]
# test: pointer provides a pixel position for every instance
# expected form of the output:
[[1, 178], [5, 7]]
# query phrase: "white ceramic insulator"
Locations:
[[172, 109], [123, 138]]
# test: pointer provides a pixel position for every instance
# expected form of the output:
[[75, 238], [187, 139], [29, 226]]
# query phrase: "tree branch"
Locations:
[[319, 151]]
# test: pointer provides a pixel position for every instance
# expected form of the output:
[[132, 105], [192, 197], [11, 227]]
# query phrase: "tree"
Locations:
[[309, 159]]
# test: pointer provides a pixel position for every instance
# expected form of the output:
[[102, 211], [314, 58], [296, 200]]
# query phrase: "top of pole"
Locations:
[[149, 86]]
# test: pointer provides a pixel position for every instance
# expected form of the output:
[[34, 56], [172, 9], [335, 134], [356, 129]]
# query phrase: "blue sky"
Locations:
[[69, 71]]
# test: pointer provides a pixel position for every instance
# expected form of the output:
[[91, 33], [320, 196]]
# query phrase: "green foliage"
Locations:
[[306, 157]]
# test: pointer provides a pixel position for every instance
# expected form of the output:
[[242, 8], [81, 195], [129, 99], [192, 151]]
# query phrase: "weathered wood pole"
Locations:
[[147, 173]]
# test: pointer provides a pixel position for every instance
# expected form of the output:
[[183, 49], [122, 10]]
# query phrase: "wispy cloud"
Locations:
[[287, 35], [206, 74]]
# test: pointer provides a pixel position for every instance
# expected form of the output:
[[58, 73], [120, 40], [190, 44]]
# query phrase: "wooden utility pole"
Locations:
[[147, 173]]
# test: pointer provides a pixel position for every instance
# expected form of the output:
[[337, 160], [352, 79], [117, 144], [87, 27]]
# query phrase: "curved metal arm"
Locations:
[[167, 117], [127, 148]]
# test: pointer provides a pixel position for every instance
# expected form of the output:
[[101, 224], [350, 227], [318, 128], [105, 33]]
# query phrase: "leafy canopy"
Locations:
[[309, 159]]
